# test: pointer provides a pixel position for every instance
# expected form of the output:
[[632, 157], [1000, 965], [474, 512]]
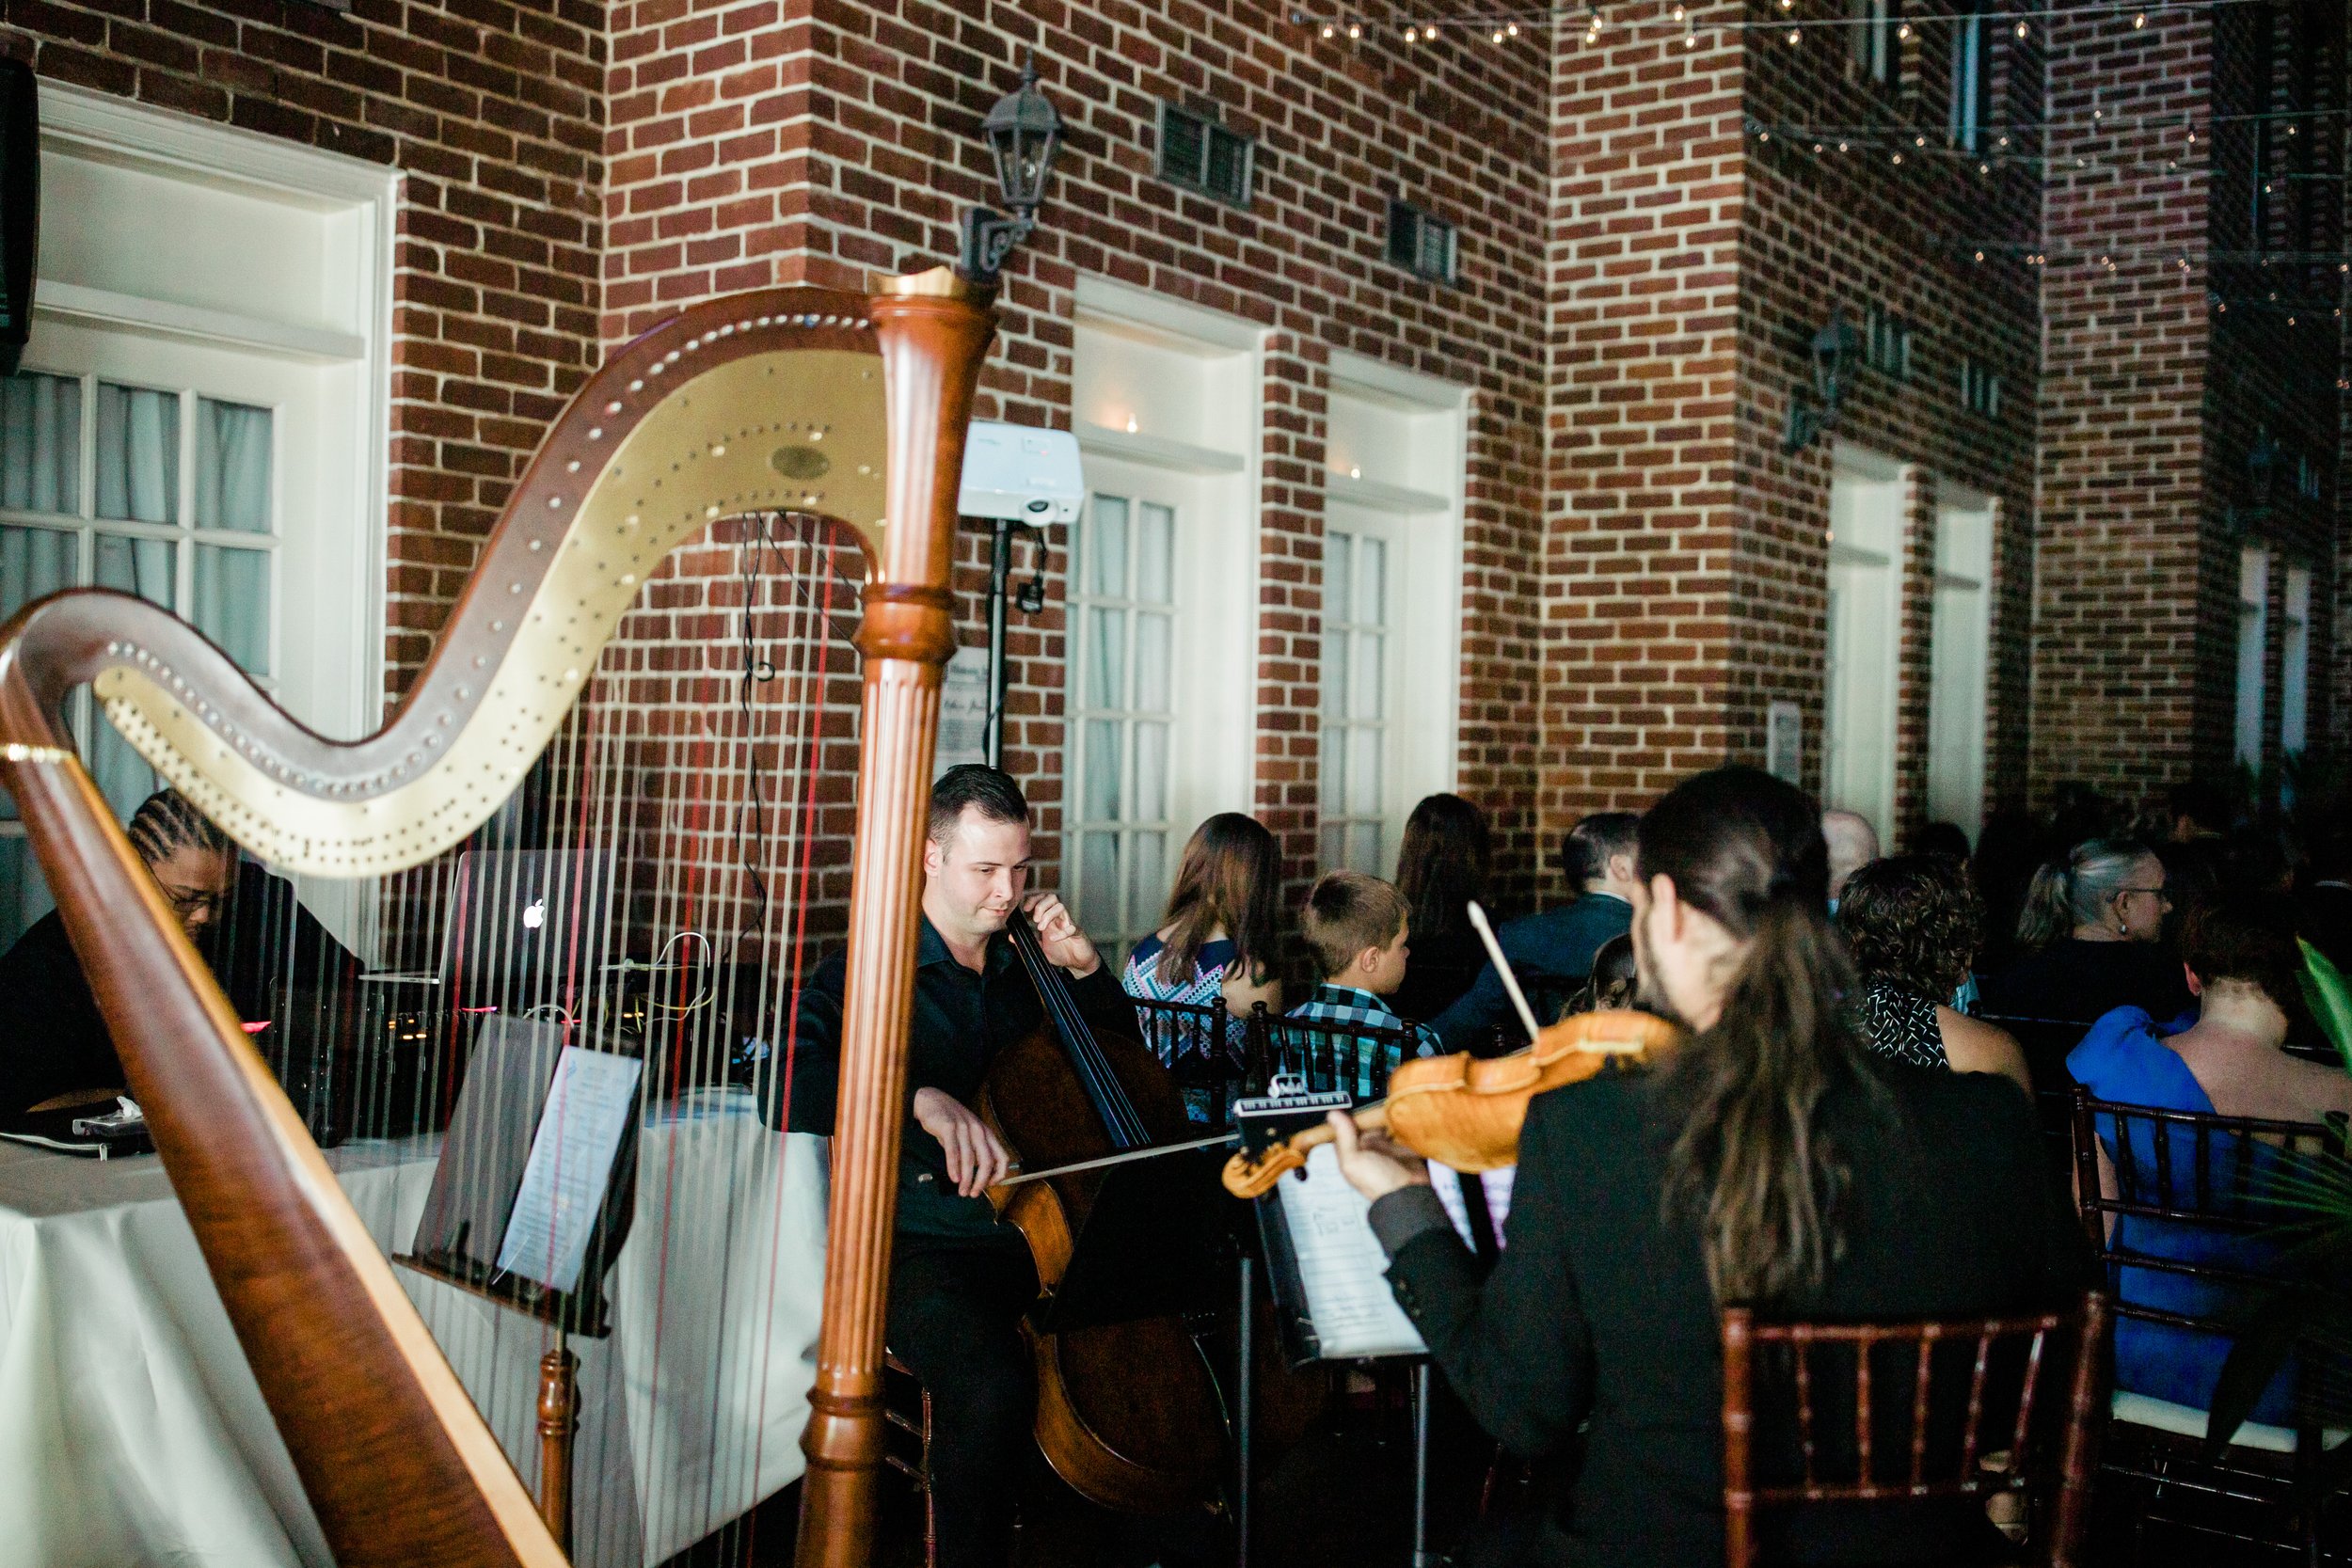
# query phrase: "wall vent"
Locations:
[[1202, 156], [1422, 244]]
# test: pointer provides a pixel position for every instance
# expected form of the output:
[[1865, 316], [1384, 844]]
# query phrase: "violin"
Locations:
[[1126, 1412], [1466, 1111]]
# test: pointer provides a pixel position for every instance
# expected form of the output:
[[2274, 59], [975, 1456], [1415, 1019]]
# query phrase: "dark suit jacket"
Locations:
[[1556, 946], [1601, 1310]]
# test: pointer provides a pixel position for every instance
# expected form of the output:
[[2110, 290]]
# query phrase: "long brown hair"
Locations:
[[1442, 863], [1752, 1164], [1231, 876]]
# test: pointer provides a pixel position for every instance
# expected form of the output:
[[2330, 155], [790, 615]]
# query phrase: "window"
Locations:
[[1202, 156], [1972, 79], [1979, 389], [1123, 611], [2253, 635], [1871, 39], [180, 510], [2295, 663], [1357, 686], [1886, 342], [1420, 244]]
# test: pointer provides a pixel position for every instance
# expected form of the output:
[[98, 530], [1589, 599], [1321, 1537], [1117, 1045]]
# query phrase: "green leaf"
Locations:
[[2330, 997], [2255, 1357]]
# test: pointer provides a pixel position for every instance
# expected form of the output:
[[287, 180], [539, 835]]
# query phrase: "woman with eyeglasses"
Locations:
[[54, 1051], [2093, 931]]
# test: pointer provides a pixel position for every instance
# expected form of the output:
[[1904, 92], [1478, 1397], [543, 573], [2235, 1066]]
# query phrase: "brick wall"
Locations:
[[493, 111], [748, 145]]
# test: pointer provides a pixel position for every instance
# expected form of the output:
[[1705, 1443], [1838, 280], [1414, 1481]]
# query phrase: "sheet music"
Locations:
[[1340, 1264], [589, 1104]]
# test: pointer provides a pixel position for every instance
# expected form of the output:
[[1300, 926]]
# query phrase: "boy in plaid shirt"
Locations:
[[1356, 926]]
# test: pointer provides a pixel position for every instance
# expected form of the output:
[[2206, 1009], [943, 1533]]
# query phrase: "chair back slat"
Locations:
[[1976, 1403], [1919, 1411], [2057, 1465], [1331, 1055], [1206, 1050]]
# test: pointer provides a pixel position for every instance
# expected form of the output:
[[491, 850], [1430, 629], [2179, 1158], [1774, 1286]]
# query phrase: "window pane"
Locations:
[[1335, 668], [1331, 844], [141, 566], [33, 562], [1333, 771], [1102, 770], [139, 454], [1363, 849], [41, 443], [1107, 658], [1107, 549], [1155, 556], [1366, 697], [232, 458], [1371, 591], [1151, 775], [233, 603], [1339, 576], [1097, 902], [1153, 656], [1147, 880], [1363, 772]]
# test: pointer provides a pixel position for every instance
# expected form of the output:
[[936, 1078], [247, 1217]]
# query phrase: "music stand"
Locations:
[[468, 1233]]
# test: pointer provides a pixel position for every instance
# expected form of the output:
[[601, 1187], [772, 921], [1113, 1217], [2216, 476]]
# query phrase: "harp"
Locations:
[[799, 401]]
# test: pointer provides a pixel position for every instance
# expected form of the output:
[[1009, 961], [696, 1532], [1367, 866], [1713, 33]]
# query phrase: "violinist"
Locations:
[[960, 1280], [1769, 1159]]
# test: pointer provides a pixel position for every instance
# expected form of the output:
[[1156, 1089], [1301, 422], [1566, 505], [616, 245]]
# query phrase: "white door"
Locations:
[[1960, 641], [1362, 807], [1863, 638]]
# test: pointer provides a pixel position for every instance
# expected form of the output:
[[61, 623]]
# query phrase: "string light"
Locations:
[[1903, 32], [1329, 31], [1355, 30], [2139, 20], [2020, 27], [1412, 35], [1794, 35]]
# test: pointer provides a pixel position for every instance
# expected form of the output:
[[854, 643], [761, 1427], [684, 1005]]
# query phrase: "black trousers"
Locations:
[[954, 1319]]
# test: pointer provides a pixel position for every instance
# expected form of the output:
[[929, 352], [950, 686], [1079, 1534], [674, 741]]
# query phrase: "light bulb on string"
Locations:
[[1985, 168], [1690, 35], [1329, 31], [1412, 35], [1903, 31], [1355, 29], [1498, 35], [1792, 37], [1841, 147], [1898, 160], [2020, 27], [1511, 29], [1677, 13], [2139, 20]]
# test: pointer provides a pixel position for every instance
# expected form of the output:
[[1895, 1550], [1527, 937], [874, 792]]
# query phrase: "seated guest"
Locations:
[[2093, 925], [1910, 925], [1612, 982], [1554, 950], [1770, 1159], [1942, 838], [2242, 962], [1440, 868], [1359, 928], [1215, 943], [1853, 845], [60, 1049]]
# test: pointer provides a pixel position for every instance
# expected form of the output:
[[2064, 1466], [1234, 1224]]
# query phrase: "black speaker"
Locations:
[[20, 207]]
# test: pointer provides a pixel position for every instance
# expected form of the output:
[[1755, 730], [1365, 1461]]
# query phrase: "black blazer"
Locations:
[[1599, 1310]]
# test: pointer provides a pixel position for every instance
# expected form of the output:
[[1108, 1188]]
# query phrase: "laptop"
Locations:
[[524, 928]]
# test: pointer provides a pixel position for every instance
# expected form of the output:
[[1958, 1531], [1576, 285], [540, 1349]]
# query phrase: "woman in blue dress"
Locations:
[[1215, 943], [2241, 962]]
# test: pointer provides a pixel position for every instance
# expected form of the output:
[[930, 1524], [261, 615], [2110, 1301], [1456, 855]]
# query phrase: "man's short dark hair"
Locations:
[[2249, 936], [1347, 912], [1584, 853], [974, 784]]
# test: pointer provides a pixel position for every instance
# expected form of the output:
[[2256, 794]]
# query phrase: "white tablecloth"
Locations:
[[131, 1431]]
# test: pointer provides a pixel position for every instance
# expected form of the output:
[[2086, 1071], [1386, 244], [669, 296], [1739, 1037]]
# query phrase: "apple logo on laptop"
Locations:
[[535, 914]]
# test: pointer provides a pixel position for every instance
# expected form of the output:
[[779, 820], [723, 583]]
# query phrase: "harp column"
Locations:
[[934, 329]]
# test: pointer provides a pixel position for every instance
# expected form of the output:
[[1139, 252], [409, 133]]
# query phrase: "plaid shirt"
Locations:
[[1332, 1003]]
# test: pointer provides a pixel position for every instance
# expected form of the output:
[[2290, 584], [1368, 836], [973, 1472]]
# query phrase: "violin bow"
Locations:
[[1502, 967]]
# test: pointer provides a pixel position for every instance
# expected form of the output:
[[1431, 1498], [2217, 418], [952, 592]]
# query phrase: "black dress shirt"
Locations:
[[1600, 1309], [960, 1021]]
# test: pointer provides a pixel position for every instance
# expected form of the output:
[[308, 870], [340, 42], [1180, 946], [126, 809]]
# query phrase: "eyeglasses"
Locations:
[[2156, 891], [186, 901]]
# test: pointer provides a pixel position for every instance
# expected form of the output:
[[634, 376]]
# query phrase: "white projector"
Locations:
[[1012, 470]]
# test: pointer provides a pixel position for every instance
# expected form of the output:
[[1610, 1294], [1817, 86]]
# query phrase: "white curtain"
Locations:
[[233, 466], [139, 454], [41, 443]]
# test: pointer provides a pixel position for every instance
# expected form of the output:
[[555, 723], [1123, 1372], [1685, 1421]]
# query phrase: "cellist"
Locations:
[[960, 1280]]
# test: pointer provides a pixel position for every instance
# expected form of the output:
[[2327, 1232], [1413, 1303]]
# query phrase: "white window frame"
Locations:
[[2253, 639], [1871, 40]]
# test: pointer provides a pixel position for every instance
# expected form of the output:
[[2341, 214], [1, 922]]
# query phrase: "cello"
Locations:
[[1127, 1412]]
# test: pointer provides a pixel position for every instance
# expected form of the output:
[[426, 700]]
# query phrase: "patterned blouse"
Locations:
[[1170, 1039], [1901, 1025]]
